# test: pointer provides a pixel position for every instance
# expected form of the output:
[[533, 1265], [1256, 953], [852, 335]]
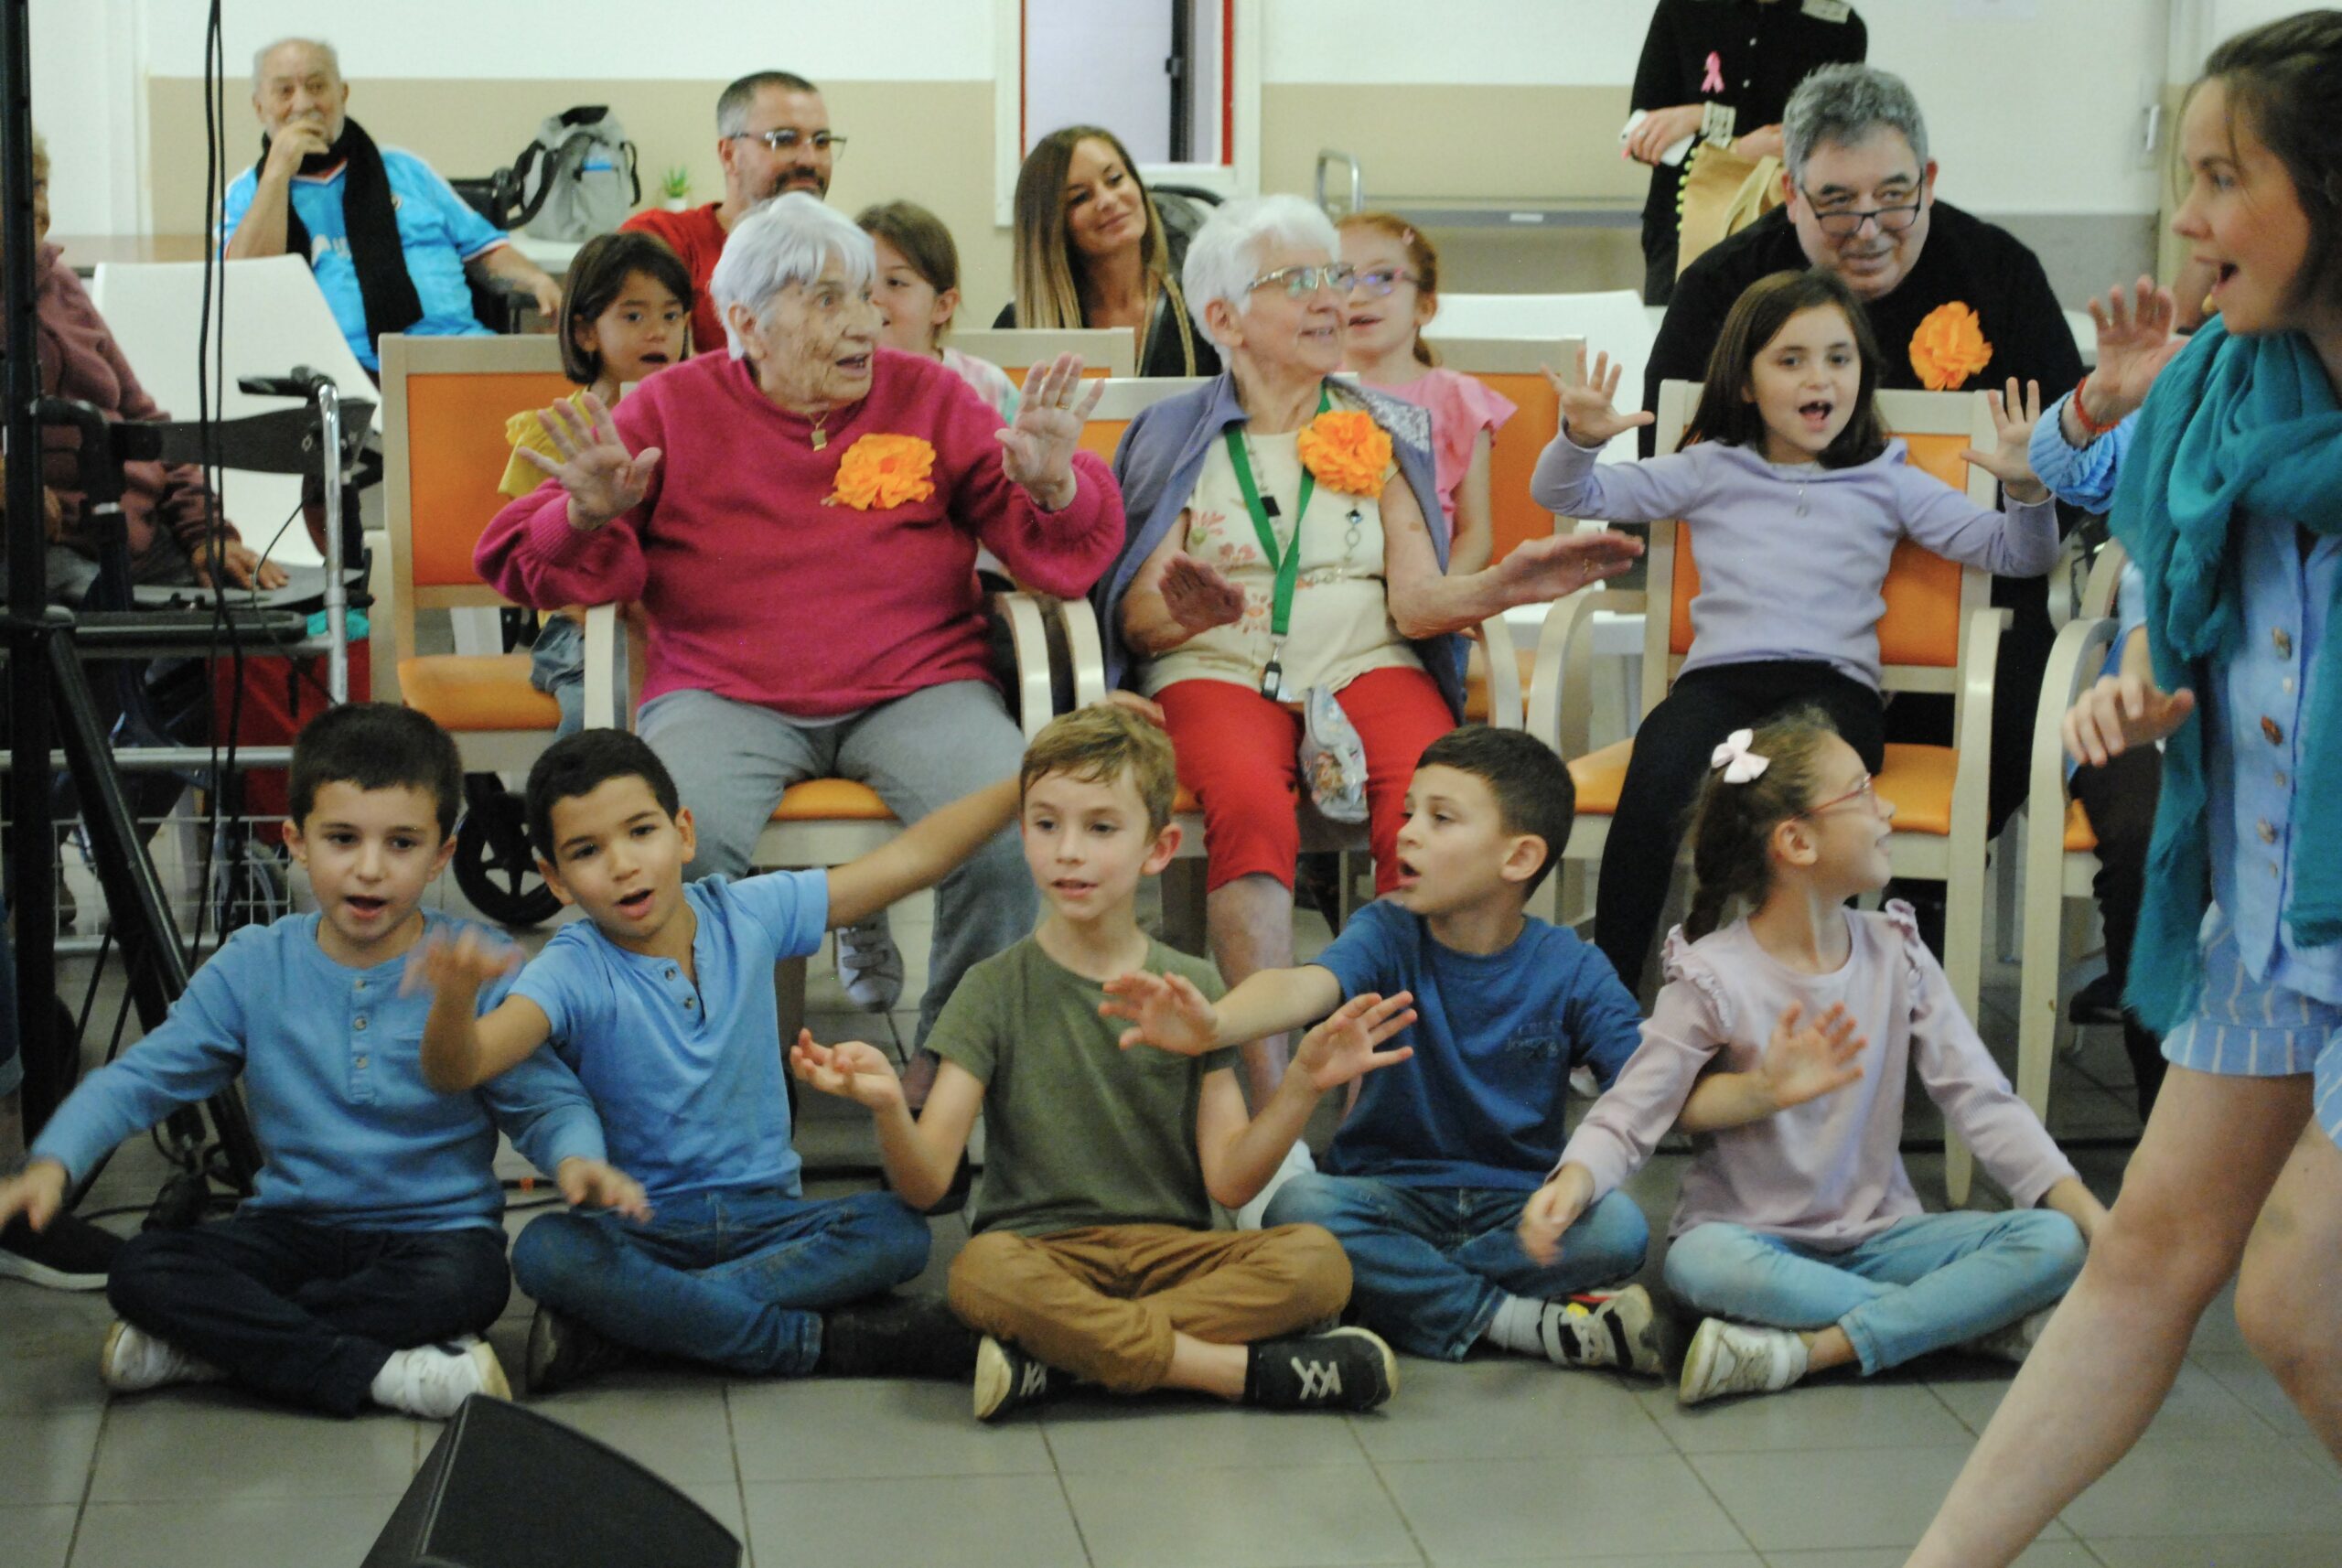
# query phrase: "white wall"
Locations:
[[1099, 62], [2036, 115]]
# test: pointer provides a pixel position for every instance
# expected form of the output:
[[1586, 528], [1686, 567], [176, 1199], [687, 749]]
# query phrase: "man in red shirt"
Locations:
[[772, 135]]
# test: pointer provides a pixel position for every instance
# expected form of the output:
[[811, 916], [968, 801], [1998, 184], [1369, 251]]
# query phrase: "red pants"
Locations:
[[1239, 756]]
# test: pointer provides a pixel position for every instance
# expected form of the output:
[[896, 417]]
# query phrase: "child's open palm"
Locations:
[[1164, 1011], [1343, 1047], [2011, 462], [1805, 1061], [462, 964], [1589, 415], [602, 478], [851, 1070]]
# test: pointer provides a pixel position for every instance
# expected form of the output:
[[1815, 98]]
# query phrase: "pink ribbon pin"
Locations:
[[1713, 81]]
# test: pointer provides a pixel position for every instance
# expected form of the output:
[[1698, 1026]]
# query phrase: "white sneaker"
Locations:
[[2011, 1341], [133, 1360], [1296, 1162], [1603, 1328], [1734, 1358], [870, 966], [434, 1380]]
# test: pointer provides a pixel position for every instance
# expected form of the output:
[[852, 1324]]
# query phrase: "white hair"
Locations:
[[260, 57], [784, 240], [1226, 254]]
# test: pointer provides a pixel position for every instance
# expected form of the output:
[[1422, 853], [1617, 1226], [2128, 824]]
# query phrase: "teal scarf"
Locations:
[[2236, 427]]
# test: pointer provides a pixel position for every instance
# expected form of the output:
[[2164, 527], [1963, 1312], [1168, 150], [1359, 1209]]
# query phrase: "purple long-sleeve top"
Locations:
[[1793, 559], [1829, 1173]]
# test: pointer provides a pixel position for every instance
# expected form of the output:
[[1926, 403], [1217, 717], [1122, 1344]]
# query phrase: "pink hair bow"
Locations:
[[1739, 764]]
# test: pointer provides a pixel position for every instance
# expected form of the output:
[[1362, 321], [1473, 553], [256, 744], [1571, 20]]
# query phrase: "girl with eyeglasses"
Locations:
[[1394, 294], [1795, 496], [1784, 1043]]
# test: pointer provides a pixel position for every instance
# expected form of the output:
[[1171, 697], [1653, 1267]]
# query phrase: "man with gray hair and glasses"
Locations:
[[772, 135], [1955, 303]]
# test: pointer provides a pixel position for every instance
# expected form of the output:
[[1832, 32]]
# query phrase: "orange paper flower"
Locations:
[[883, 472], [1948, 348], [1347, 451]]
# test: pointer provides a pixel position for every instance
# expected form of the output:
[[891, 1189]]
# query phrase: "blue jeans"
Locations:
[[1921, 1284], [737, 1279], [1430, 1265]]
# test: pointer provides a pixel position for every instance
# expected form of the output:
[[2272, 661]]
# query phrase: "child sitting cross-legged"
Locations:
[[1092, 1256], [370, 1254], [1425, 1179], [1782, 1043], [662, 1002]]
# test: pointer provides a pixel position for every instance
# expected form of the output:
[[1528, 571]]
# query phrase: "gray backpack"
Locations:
[[577, 180]]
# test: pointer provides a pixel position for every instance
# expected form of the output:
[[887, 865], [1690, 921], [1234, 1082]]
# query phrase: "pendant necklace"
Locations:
[[821, 437]]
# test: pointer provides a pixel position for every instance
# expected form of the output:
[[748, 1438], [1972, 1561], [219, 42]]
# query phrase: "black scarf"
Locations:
[[371, 221]]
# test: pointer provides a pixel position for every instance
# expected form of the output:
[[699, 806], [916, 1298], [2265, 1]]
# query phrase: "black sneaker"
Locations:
[[71, 1254], [563, 1351], [897, 1336], [1008, 1380], [1346, 1369]]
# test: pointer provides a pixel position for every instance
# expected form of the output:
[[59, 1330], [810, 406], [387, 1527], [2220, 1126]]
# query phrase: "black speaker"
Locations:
[[506, 1487]]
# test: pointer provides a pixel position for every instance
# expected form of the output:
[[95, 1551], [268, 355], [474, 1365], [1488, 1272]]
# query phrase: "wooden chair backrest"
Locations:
[[1104, 350], [1513, 366], [1122, 400]]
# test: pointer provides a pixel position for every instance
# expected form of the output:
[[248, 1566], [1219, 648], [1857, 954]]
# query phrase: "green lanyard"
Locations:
[[1288, 568]]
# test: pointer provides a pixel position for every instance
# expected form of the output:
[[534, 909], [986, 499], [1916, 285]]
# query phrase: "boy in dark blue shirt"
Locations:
[[1426, 1178]]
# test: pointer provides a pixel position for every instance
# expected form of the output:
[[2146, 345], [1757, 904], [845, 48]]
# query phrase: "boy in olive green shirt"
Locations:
[[1093, 1256]]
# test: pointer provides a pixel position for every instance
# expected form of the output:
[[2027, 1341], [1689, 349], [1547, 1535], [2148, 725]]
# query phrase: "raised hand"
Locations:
[[1164, 1011], [851, 1070], [2137, 337], [1342, 1048], [597, 1184], [1588, 414], [1551, 1210], [1036, 451], [1805, 1061], [1555, 565], [2121, 712], [2011, 461], [1198, 595], [37, 1192], [462, 965], [602, 478]]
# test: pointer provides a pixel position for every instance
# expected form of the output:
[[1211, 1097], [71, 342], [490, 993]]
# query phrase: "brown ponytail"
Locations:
[[1732, 824]]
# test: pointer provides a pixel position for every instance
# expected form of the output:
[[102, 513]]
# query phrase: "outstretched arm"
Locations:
[[461, 1049], [920, 1156], [1801, 1062], [1239, 1157], [922, 855], [1169, 1013]]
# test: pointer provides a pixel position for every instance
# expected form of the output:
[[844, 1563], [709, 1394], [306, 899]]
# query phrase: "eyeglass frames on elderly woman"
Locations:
[[788, 139], [1846, 221], [1300, 283]]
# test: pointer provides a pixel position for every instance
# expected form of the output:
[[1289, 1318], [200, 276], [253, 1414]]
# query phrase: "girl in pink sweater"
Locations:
[[1782, 1043]]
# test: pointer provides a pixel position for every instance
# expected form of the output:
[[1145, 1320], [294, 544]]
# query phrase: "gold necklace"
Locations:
[[821, 437]]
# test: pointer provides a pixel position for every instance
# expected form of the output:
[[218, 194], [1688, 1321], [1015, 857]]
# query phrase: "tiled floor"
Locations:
[[1493, 1462]]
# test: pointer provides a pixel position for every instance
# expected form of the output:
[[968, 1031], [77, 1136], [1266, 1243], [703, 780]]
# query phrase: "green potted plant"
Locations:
[[676, 189]]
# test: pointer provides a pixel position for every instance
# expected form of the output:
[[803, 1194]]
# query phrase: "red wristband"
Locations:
[[2081, 412]]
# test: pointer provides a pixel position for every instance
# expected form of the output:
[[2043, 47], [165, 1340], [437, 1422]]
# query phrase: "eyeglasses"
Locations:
[[1845, 222], [1860, 791], [1300, 283], [1382, 281], [788, 139]]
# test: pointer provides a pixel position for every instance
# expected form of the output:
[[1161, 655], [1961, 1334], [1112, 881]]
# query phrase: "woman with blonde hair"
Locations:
[[1092, 251]]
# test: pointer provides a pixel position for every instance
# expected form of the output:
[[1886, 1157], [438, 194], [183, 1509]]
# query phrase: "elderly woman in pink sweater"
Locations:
[[800, 519]]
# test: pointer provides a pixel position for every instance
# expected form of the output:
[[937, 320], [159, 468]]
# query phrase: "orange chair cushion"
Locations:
[[474, 691], [1917, 780], [2080, 837], [1476, 679], [1599, 776], [1102, 435], [830, 801], [455, 455], [1513, 516], [1016, 373]]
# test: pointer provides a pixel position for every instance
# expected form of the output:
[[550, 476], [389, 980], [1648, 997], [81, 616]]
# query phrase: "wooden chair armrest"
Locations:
[[1505, 709], [1560, 707], [1028, 642], [1971, 784], [1084, 649]]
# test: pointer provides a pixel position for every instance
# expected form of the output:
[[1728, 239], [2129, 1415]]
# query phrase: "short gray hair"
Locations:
[[260, 57], [785, 240], [732, 105], [1225, 255], [1844, 104]]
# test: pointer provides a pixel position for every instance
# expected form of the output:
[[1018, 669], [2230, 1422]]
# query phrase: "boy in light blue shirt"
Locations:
[[371, 1252], [1426, 1178], [662, 1002]]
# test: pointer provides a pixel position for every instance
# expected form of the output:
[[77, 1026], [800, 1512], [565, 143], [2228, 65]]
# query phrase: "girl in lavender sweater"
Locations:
[[1796, 496], [1783, 1043]]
